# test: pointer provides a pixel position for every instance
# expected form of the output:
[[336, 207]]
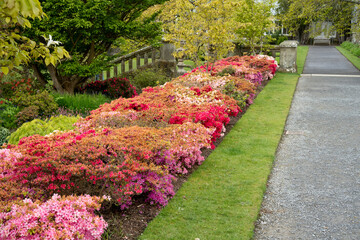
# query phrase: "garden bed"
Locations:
[[128, 152]]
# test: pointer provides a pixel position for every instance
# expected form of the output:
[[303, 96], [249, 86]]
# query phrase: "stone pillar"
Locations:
[[167, 61], [288, 51]]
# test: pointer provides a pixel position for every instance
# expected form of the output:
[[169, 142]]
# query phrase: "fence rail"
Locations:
[[148, 56], [132, 61]]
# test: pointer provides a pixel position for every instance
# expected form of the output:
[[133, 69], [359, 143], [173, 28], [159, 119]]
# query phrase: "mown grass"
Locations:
[[351, 57], [222, 199], [301, 57]]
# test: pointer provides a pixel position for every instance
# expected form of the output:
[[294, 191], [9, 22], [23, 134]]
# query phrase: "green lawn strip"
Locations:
[[351, 57], [301, 57], [221, 200]]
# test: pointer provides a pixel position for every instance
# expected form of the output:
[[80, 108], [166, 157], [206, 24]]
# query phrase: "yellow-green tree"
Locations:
[[200, 28], [256, 19], [16, 49]]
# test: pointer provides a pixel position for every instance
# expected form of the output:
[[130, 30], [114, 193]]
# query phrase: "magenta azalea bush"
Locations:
[[51, 186]]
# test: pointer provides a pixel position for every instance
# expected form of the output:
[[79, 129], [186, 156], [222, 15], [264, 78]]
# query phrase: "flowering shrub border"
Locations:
[[131, 147]]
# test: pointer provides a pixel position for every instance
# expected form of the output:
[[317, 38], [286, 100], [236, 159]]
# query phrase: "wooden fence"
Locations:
[[149, 56], [144, 57]]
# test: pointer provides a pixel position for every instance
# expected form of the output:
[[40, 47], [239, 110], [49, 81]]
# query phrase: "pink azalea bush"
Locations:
[[57, 218]]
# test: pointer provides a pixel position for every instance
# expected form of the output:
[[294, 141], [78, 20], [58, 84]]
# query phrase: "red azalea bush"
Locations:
[[113, 87]]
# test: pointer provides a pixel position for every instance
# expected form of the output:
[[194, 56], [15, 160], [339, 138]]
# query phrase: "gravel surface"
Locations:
[[314, 188]]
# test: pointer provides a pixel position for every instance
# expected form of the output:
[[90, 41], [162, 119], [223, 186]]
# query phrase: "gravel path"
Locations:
[[314, 189]]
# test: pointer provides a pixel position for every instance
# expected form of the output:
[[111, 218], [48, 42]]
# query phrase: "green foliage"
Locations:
[[8, 114], [240, 97], [88, 29], [227, 71], [352, 47], [4, 133], [40, 127], [148, 78], [38, 105], [16, 49], [82, 103]]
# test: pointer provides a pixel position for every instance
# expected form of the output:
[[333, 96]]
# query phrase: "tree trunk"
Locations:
[[40, 77], [55, 78], [65, 84]]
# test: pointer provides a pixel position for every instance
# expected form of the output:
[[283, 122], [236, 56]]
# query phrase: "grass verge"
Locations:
[[351, 57], [82, 103], [222, 199]]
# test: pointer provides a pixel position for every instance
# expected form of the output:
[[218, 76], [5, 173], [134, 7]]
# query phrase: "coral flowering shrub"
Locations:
[[58, 218], [243, 66], [121, 163], [171, 104]]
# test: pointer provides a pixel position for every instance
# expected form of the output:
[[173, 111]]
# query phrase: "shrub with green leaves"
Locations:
[[12, 83], [37, 105], [148, 78], [40, 127], [8, 114], [4, 133], [82, 103], [352, 47]]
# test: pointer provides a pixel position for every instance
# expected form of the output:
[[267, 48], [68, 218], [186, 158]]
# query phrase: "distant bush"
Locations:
[[81, 103], [9, 86], [113, 88], [4, 133], [40, 127], [281, 39], [352, 47], [8, 114], [33, 105], [277, 38], [148, 78]]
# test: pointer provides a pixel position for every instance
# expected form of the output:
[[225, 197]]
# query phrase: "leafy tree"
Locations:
[[282, 7], [16, 49], [202, 29], [301, 13], [87, 29], [256, 19]]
